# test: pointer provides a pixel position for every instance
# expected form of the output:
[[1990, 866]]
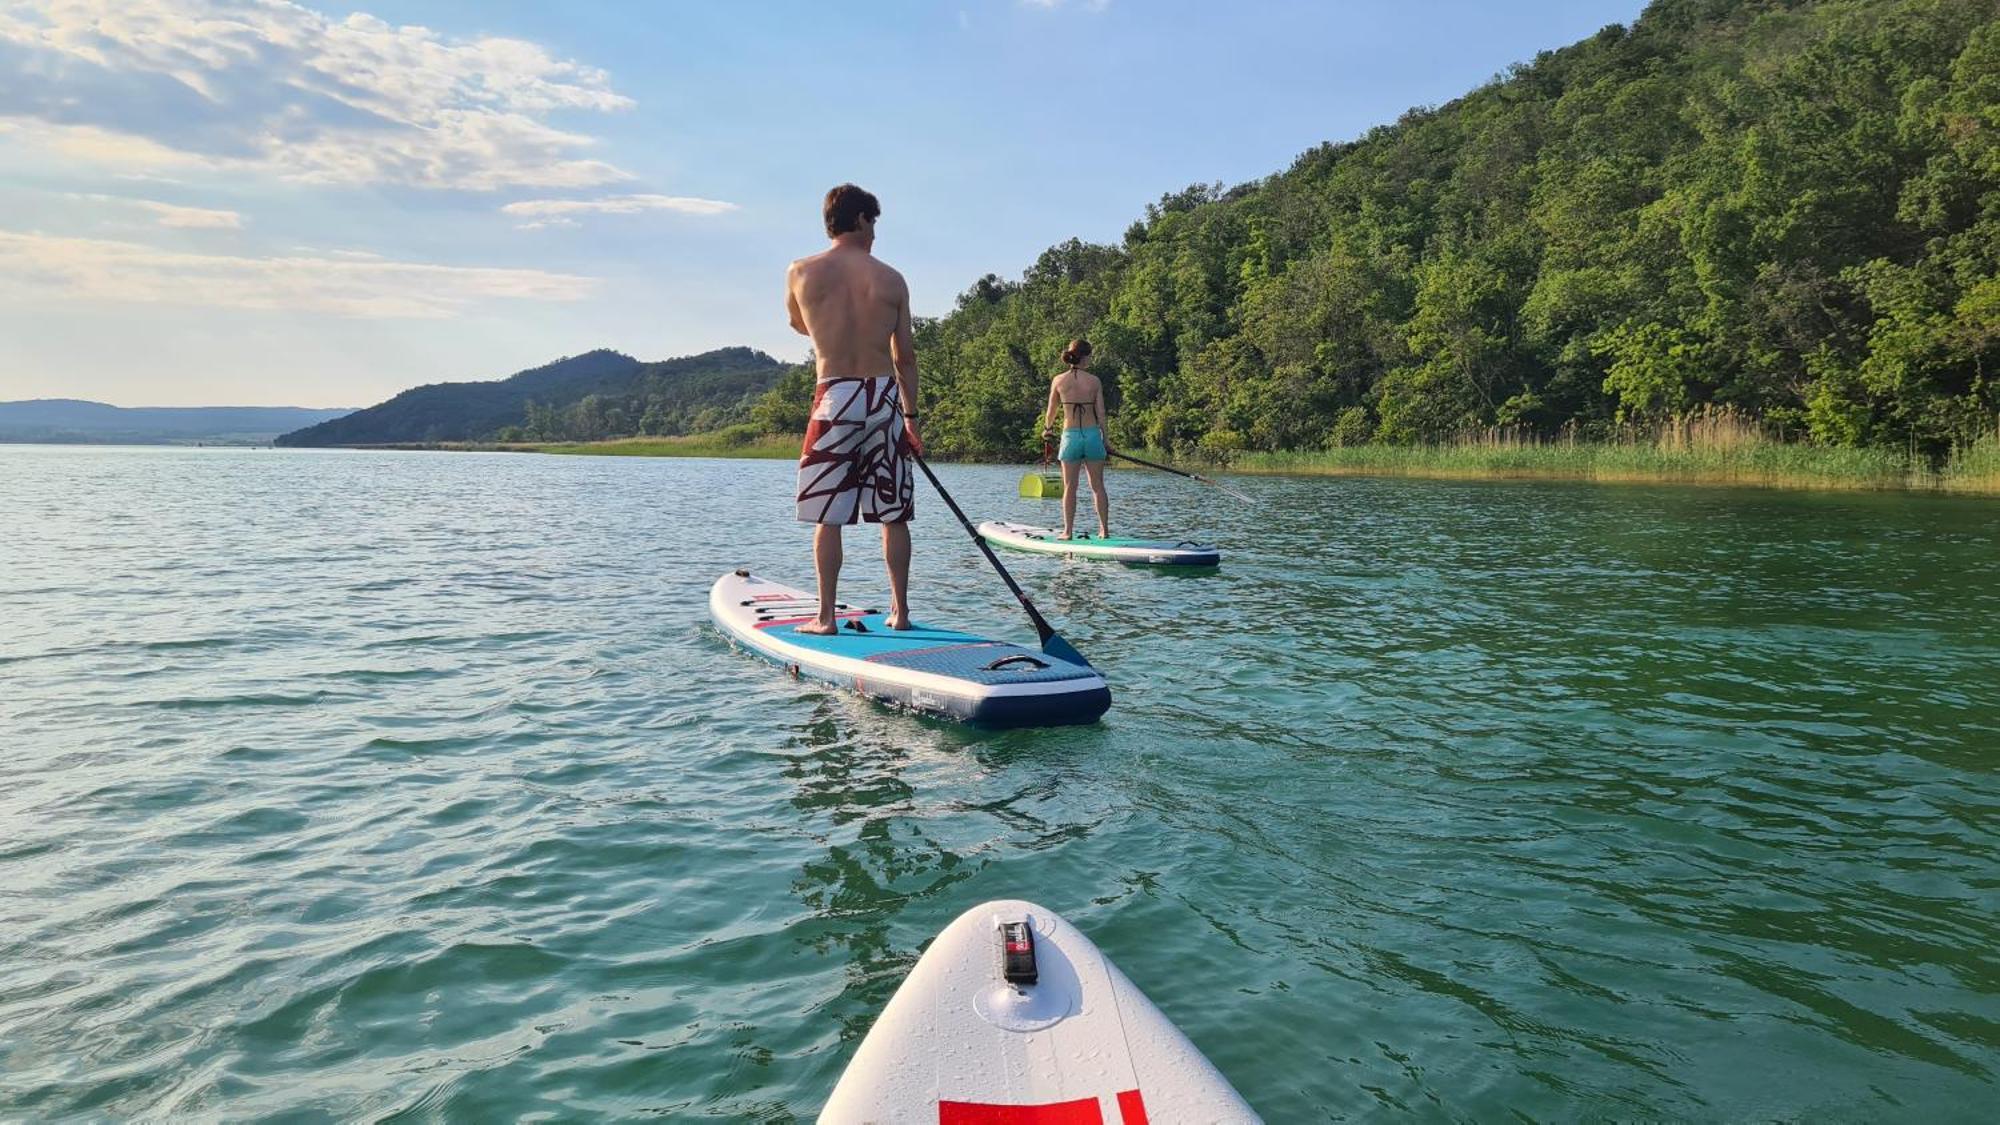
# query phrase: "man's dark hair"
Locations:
[[845, 206]]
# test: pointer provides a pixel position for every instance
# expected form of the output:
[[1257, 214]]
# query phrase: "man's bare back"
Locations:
[[852, 304]]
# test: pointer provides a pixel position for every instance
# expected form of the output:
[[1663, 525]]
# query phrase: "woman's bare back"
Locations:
[[1082, 398]]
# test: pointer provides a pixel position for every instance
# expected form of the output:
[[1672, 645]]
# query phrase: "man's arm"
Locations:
[[798, 314], [903, 347]]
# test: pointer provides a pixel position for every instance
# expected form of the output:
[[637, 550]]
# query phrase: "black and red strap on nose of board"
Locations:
[[1017, 953], [1017, 967]]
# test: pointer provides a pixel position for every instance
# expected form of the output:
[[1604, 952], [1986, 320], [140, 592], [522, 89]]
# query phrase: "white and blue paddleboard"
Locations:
[[1013, 1017], [1156, 552], [938, 671]]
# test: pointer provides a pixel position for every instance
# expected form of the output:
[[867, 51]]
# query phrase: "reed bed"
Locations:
[[732, 442], [1975, 465], [1716, 446]]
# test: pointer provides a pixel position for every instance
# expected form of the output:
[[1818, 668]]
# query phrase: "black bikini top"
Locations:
[[1079, 405]]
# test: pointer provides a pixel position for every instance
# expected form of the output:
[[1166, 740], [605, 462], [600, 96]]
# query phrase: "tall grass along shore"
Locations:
[[735, 441], [1711, 447]]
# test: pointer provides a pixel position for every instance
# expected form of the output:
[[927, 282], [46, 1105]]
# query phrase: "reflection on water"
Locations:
[[372, 785]]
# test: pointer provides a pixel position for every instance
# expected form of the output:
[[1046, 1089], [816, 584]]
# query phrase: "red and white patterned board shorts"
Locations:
[[854, 466]]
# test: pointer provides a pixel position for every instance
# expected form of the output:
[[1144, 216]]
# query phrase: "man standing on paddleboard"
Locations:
[[855, 464]]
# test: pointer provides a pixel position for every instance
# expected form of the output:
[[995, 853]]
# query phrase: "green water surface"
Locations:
[[344, 785]]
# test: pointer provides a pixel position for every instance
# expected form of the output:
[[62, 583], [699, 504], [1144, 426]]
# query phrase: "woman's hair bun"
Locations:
[[1077, 352]]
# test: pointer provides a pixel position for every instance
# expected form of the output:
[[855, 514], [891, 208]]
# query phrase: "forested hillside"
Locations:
[[1786, 208], [596, 395], [72, 420]]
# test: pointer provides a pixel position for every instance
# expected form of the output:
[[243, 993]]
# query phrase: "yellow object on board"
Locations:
[[1042, 486]]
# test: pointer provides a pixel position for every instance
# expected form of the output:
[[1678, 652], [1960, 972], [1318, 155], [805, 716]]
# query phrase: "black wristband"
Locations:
[[910, 417]]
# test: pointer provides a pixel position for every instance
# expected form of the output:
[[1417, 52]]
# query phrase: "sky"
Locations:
[[251, 202]]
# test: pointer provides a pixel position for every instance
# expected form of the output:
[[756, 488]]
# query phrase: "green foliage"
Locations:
[[1655, 371], [1788, 208], [1755, 463], [1352, 427], [590, 397], [786, 407], [708, 394], [742, 441]]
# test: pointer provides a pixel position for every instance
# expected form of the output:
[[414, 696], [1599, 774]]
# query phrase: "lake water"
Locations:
[[339, 785]]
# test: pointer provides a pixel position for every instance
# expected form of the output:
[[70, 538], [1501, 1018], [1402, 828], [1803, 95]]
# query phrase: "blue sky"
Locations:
[[248, 202]]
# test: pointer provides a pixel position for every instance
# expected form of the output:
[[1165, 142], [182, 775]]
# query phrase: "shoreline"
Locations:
[[768, 447], [1790, 468], [1970, 472]]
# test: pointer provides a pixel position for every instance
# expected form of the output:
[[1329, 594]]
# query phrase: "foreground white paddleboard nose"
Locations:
[[959, 1045]]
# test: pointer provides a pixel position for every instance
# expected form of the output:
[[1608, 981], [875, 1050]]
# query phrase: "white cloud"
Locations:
[[556, 212], [39, 265], [200, 218], [271, 86], [173, 214], [92, 145]]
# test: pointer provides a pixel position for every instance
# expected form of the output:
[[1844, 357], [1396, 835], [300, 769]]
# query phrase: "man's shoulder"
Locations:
[[887, 272]]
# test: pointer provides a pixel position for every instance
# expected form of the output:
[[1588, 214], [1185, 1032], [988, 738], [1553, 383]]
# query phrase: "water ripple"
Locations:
[[399, 785]]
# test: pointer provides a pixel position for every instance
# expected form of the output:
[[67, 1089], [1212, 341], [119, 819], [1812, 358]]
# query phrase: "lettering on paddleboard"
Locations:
[[1082, 1111]]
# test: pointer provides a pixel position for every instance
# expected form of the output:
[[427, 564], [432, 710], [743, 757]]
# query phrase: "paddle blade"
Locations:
[[1055, 646]]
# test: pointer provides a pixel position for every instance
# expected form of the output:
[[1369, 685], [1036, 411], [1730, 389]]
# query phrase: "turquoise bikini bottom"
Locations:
[[1083, 444]]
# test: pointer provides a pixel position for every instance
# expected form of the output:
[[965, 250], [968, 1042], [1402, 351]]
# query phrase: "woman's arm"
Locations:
[[1049, 415], [1103, 417]]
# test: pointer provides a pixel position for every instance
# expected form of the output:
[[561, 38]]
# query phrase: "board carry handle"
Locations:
[[1017, 658], [1052, 641]]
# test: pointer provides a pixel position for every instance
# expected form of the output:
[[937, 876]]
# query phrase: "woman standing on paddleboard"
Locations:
[[1080, 397]]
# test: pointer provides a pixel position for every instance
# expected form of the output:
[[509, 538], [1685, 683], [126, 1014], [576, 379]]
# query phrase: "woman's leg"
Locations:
[[1069, 497], [1099, 498]]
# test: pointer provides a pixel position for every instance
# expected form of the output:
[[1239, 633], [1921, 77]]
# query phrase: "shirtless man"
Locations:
[[855, 463]]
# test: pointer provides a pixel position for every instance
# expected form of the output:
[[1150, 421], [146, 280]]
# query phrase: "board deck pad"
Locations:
[[1155, 552], [957, 1044], [946, 672]]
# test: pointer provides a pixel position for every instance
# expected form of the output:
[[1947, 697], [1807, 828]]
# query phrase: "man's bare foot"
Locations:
[[899, 623], [818, 629]]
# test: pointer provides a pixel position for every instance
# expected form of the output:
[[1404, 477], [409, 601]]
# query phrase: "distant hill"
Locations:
[[1787, 209], [70, 420], [596, 395]]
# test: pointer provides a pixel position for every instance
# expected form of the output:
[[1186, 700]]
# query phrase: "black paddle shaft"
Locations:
[[1180, 473], [1042, 626], [1155, 465]]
